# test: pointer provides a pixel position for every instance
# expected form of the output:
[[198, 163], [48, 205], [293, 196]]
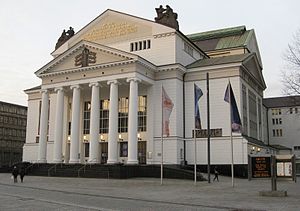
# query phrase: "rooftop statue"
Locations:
[[167, 17], [64, 37]]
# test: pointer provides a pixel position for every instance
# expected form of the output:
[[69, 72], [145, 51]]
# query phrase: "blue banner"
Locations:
[[197, 94], [236, 124]]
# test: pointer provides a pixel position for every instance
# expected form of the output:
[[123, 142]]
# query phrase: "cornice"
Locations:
[[171, 67], [164, 35], [89, 68]]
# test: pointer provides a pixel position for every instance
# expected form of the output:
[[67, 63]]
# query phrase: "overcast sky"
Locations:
[[30, 29]]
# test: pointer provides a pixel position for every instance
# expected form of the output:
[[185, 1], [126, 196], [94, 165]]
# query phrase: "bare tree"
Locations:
[[291, 73]]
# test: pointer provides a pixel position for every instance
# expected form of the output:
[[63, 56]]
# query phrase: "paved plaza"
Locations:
[[57, 193]]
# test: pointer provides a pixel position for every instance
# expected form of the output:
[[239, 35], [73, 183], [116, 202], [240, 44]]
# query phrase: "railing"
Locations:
[[49, 170], [90, 163], [33, 162], [83, 167]]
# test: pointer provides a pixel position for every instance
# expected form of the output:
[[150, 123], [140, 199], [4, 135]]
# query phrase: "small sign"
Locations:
[[203, 133], [284, 169], [261, 167]]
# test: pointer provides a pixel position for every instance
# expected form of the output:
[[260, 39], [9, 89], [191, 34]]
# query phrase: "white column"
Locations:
[[113, 123], [75, 126], [58, 133], [94, 124], [133, 121], [43, 127]]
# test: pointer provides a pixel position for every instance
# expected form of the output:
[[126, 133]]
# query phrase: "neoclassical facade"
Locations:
[[100, 97]]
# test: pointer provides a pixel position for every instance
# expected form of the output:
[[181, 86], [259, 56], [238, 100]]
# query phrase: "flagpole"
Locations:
[[195, 143], [195, 158], [162, 132], [208, 128], [231, 141]]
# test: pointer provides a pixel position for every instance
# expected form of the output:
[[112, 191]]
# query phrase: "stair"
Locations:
[[111, 171]]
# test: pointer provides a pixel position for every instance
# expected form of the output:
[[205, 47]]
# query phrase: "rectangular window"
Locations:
[[245, 110], [123, 115], [296, 147], [276, 111], [142, 113], [86, 117], [252, 114], [277, 133], [131, 47], [140, 45], [296, 110], [104, 116], [149, 44]]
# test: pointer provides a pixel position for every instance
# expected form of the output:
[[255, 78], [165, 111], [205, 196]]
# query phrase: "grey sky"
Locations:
[[30, 29]]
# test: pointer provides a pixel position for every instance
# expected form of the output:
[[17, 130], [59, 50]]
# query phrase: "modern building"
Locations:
[[12, 133], [284, 123], [100, 100]]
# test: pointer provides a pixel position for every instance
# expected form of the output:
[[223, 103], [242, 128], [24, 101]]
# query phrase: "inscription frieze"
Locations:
[[111, 30]]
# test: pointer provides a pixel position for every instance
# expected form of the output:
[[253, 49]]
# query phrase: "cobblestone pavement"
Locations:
[[58, 193]]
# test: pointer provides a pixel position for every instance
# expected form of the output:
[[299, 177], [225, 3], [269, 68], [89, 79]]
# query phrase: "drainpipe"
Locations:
[[184, 141]]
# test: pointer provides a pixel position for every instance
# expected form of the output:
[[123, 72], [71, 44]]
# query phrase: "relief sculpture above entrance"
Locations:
[[85, 58]]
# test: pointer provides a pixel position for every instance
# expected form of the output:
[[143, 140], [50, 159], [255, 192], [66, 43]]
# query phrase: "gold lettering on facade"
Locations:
[[110, 30]]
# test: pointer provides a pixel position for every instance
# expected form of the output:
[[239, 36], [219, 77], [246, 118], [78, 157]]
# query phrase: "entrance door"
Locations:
[[104, 152], [142, 152]]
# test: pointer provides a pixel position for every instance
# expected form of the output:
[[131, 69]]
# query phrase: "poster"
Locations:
[[280, 169]]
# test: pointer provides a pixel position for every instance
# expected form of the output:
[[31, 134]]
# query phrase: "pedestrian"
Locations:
[[15, 173], [216, 174], [22, 173]]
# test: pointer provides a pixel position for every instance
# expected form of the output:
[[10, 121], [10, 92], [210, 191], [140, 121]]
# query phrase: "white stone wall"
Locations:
[[220, 151], [32, 120], [219, 109], [219, 118], [290, 128], [183, 57], [30, 152]]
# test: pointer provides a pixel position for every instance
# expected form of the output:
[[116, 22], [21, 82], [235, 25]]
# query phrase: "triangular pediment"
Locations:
[[113, 27], [253, 67], [83, 55]]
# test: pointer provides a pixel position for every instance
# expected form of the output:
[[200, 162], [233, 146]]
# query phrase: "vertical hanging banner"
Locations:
[[197, 94], [167, 107], [236, 125]]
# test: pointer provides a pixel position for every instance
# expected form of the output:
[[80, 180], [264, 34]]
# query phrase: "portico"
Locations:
[[93, 137]]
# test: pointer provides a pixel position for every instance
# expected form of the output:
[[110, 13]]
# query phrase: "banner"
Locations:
[[167, 107], [197, 94], [236, 124]]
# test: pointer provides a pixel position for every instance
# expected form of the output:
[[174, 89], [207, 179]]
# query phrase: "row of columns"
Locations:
[[94, 124]]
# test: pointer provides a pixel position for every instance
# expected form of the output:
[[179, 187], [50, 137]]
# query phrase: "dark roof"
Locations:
[[33, 88], [276, 102], [280, 147], [254, 141], [220, 60], [13, 104], [222, 39]]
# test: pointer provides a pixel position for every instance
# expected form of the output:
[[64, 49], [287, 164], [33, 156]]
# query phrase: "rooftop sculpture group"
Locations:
[[167, 17], [64, 37]]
